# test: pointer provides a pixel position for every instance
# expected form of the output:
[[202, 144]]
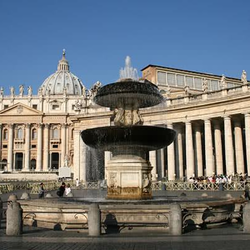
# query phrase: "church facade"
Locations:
[[41, 133]]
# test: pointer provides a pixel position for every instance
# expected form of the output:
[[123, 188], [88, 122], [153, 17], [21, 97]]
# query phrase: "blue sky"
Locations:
[[210, 36]]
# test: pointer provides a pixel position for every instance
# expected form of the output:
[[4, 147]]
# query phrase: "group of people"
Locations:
[[218, 179], [64, 190]]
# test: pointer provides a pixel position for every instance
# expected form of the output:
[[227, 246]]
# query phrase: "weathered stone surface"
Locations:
[[94, 220]]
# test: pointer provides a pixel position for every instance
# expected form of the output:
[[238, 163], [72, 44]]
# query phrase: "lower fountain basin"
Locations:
[[139, 137]]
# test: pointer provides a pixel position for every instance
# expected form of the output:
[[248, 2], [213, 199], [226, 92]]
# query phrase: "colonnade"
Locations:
[[204, 148]]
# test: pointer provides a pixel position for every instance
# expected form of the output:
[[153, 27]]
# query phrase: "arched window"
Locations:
[[19, 133], [34, 134], [55, 133], [72, 134], [5, 134]]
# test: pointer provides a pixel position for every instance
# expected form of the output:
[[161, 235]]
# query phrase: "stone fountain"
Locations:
[[128, 171], [129, 174]]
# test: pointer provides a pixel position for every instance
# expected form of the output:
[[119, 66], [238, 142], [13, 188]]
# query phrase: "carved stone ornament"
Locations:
[[19, 109]]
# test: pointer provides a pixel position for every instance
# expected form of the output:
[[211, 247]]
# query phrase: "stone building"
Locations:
[[40, 133]]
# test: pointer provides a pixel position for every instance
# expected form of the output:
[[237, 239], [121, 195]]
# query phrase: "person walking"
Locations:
[[41, 191]]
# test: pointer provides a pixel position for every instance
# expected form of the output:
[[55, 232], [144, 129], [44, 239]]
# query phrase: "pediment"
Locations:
[[20, 109]]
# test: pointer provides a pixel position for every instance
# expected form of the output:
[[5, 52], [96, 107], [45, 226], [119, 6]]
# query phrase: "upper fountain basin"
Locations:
[[143, 137], [128, 93]]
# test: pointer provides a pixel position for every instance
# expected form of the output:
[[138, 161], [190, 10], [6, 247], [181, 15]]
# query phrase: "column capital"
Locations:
[[207, 120], [27, 125], [64, 125], [247, 114], [40, 125], [227, 117], [47, 125], [10, 125]]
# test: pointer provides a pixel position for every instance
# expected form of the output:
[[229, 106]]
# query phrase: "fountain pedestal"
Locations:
[[128, 177]]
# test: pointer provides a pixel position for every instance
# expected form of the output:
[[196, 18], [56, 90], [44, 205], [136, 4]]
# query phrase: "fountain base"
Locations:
[[128, 178]]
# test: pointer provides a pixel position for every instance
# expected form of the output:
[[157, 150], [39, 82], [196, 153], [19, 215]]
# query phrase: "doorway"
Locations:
[[55, 161], [19, 161]]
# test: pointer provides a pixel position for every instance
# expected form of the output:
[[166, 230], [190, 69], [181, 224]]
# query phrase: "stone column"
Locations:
[[171, 159], [198, 150], [10, 166], [218, 148], [83, 161], [229, 150], [39, 148], [209, 148], [46, 148], [163, 164], [152, 159], [247, 138], [180, 152], [189, 150], [238, 147], [63, 145], [27, 148], [76, 154]]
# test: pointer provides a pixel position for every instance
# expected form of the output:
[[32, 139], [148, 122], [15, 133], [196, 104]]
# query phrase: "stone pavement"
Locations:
[[228, 238]]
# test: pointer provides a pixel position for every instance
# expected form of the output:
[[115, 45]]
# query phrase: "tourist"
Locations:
[[41, 191], [67, 190], [77, 183], [61, 190]]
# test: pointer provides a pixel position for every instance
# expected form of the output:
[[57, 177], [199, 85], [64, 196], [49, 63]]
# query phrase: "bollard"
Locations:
[[13, 217], [246, 218], [175, 219], [94, 220]]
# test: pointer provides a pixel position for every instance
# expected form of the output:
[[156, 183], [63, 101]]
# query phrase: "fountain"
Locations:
[[129, 205], [128, 171]]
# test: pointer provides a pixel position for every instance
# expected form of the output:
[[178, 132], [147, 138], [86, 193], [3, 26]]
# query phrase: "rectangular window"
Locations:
[[73, 107], [5, 146], [197, 83], [33, 146], [190, 81], [171, 79], [55, 146], [34, 106], [180, 80], [55, 107], [5, 106], [161, 76], [214, 85]]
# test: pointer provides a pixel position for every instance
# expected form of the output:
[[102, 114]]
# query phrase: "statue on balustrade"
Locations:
[[244, 77]]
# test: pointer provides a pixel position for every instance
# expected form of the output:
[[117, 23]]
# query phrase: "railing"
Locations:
[[159, 185], [187, 186]]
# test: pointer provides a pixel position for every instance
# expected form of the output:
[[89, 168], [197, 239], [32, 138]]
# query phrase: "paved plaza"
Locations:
[[220, 237], [35, 239]]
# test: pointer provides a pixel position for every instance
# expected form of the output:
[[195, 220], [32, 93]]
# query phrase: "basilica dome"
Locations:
[[62, 81]]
